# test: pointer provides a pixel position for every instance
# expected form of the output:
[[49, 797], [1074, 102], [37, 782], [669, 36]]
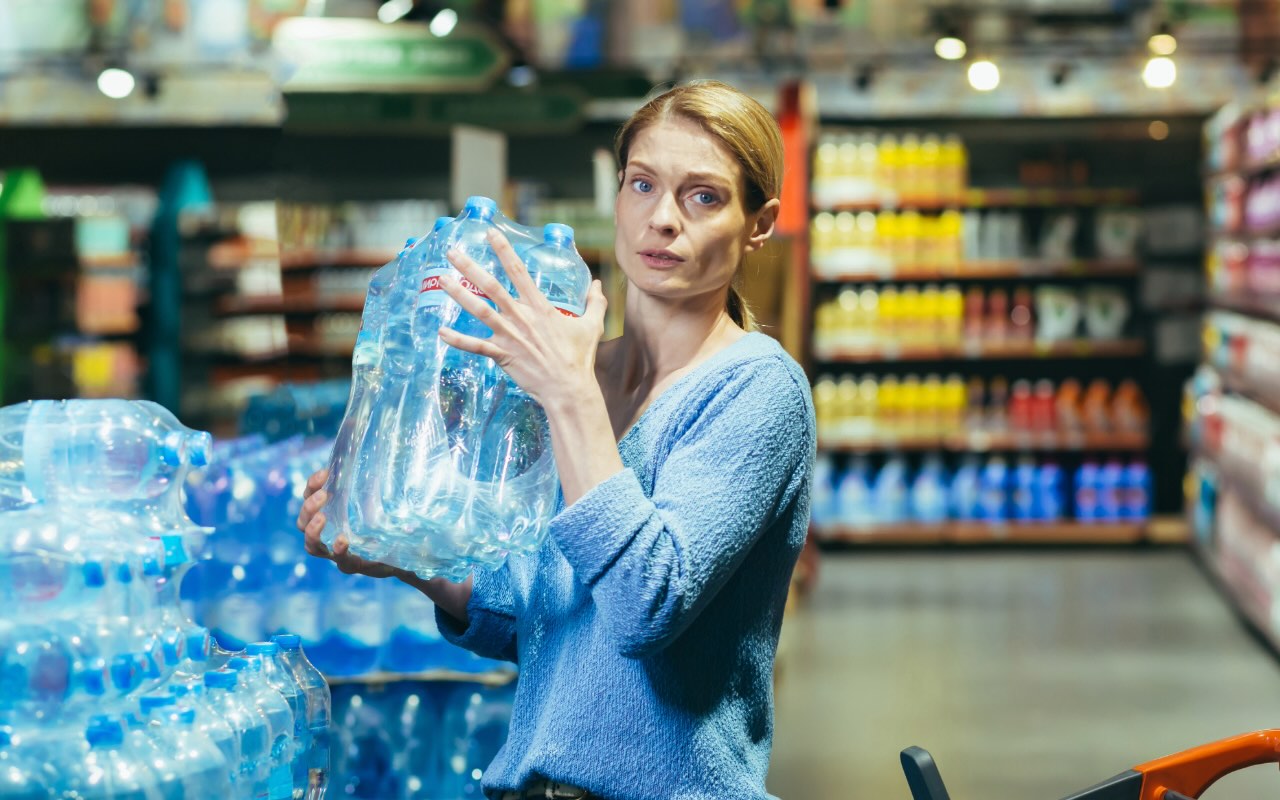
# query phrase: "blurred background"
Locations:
[[1029, 256]]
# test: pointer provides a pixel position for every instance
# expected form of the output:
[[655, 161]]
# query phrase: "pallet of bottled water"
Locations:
[[442, 463], [107, 689]]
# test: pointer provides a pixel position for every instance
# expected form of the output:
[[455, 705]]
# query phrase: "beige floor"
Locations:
[[1027, 675]]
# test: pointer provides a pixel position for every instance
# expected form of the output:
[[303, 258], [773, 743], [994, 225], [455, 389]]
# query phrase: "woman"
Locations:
[[646, 627]]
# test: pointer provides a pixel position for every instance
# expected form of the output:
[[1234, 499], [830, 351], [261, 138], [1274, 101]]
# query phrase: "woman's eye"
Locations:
[[705, 198], [641, 185]]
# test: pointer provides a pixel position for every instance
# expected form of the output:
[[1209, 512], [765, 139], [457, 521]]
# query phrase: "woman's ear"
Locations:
[[762, 228]]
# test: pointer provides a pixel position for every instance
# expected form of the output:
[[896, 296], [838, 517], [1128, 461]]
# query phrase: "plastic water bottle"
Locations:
[[929, 492], [277, 673], [354, 626], [414, 716], [475, 727], [559, 272], [315, 692], [822, 503], [110, 770], [1110, 491], [1087, 491], [993, 494], [1023, 492], [414, 642], [21, 777], [152, 742], [368, 748], [274, 708], [964, 490], [1049, 492], [201, 765], [1136, 490], [212, 725], [889, 494], [855, 502], [250, 727]]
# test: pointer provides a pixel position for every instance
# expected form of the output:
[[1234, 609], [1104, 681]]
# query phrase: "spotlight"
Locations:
[[1160, 73], [394, 10], [116, 83], [1162, 42], [442, 24], [950, 48], [1158, 130], [984, 75]]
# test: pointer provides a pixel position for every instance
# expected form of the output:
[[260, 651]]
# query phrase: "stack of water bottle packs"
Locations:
[[258, 581], [442, 463], [107, 690]]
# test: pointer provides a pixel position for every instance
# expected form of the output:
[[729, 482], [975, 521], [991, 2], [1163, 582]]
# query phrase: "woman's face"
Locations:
[[682, 228]]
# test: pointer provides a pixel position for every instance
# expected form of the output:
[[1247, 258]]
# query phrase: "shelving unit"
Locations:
[[895, 265], [491, 678], [1233, 416]]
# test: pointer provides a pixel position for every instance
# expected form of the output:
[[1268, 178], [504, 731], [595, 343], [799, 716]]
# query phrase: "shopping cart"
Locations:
[[1182, 776]]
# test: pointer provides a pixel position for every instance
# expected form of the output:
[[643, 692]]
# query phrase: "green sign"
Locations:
[[343, 55], [535, 111]]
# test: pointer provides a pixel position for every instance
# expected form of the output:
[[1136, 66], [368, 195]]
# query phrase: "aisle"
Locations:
[[1028, 675]]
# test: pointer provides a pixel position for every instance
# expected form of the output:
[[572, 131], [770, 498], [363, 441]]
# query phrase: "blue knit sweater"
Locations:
[[646, 627]]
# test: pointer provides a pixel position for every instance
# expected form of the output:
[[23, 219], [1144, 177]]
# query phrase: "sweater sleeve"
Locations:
[[491, 630], [654, 563]]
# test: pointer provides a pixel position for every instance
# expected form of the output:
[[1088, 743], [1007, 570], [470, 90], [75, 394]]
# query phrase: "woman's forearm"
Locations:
[[582, 439], [451, 597]]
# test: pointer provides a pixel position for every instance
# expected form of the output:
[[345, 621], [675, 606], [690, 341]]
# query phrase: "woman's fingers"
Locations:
[[310, 506], [473, 344], [316, 482], [516, 269], [311, 537], [597, 303], [481, 279]]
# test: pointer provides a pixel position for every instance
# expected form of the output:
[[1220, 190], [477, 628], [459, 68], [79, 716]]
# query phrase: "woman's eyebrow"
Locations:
[[691, 177]]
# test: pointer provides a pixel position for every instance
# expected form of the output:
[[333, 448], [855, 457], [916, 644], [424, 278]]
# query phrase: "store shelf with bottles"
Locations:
[[492, 678], [968, 534], [991, 269]]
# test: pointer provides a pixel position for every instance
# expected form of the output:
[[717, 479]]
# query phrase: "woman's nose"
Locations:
[[666, 215]]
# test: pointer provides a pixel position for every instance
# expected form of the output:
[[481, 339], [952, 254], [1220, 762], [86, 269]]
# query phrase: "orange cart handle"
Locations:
[[1193, 771]]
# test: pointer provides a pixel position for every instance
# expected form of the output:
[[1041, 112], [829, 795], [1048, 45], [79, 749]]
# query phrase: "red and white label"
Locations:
[[431, 292], [567, 310]]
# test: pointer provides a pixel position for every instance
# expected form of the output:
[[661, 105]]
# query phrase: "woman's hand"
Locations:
[[547, 353], [311, 521]]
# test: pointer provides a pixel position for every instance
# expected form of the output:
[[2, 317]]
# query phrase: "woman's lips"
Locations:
[[660, 259]]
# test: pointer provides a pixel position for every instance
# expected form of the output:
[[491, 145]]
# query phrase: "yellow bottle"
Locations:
[[911, 408], [950, 242], [951, 316], [889, 169], [844, 241], [869, 164], [887, 241], [955, 398], [849, 315], [848, 171], [911, 162], [846, 407], [931, 315], [909, 322], [826, 160], [955, 163], [888, 317], [888, 406], [825, 409], [931, 178], [931, 410], [821, 242], [906, 254], [869, 304]]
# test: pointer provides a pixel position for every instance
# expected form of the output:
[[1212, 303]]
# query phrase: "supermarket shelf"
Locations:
[[998, 198], [1272, 232], [976, 351], [498, 677], [979, 441], [976, 533], [316, 349], [994, 270], [1257, 618], [108, 262], [1248, 170], [316, 259], [1169, 529], [1255, 305], [239, 305]]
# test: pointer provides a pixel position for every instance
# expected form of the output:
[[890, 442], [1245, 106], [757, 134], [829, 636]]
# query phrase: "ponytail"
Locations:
[[739, 311]]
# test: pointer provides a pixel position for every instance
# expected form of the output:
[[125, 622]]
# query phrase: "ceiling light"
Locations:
[[394, 10], [1162, 44], [1158, 130], [984, 75], [1159, 73], [442, 24], [950, 48], [116, 83]]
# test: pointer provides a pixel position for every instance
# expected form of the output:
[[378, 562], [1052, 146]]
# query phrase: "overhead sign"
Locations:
[[550, 110], [342, 55]]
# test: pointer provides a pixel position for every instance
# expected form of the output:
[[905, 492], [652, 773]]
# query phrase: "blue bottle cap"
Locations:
[[123, 675], [440, 223], [220, 679], [199, 448], [92, 680], [186, 715], [287, 641], [95, 574], [481, 207], [104, 734], [150, 702], [263, 649], [152, 565], [250, 663], [179, 689], [555, 233], [6, 737], [124, 573], [199, 645], [171, 448]]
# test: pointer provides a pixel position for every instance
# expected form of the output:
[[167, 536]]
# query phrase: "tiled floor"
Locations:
[[1028, 675]]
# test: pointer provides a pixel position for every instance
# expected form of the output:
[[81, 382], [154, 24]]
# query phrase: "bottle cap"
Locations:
[[287, 641], [171, 448], [93, 680], [481, 207], [124, 573], [250, 663], [199, 645], [555, 233], [220, 679], [150, 702], [440, 223], [104, 733], [199, 447], [186, 715], [95, 574], [123, 675], [6, 737], [263, 649]]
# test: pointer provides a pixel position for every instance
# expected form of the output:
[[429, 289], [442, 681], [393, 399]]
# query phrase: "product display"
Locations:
[[454, 460], [107, 682]]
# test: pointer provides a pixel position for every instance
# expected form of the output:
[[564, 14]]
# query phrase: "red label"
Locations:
[[431, 283], [567, 312]]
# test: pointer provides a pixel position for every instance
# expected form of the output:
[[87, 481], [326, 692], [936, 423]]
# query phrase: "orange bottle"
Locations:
[[1070, 406], [1129, 408], [1096, 407]]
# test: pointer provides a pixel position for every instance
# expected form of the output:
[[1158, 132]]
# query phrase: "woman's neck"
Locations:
[[659, 340]]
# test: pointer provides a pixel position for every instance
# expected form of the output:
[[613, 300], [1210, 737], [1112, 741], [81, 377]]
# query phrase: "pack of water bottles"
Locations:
[[442, 463], [107, 690], [258, 580], [410, 740]]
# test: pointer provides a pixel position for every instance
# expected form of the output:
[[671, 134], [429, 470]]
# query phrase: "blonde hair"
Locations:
[[742, 125]]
